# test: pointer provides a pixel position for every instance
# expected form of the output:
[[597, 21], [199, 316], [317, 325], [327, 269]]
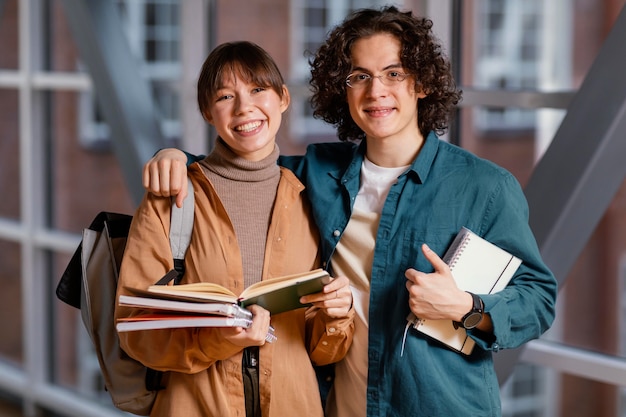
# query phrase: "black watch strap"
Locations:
[[475, 315]]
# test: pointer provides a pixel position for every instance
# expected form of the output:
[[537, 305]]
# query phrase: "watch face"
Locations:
[[472, 320]]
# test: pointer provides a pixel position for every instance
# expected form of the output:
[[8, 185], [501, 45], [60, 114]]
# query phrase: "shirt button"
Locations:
[[325, 343], [331, 330], [336, 233]]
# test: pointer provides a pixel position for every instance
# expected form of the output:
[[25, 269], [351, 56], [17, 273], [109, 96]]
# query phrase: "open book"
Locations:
[[276, 295], [478, 266]]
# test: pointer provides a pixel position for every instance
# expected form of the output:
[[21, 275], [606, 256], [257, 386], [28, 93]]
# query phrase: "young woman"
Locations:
[[389, 207], [252, 222]]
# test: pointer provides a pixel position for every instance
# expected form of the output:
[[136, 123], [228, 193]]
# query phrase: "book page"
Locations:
[[273, 284], [164, 321], [201, 287], [174, 292], [204, 307]]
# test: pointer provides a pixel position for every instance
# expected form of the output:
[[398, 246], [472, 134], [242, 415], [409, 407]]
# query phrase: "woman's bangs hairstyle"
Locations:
[[244, 60], [421, 55]]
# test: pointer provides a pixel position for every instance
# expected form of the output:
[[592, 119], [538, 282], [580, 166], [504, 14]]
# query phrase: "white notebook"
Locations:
[[478, 266]]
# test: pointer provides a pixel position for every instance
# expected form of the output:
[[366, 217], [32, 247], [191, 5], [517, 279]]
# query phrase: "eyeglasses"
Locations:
[[388, 78]]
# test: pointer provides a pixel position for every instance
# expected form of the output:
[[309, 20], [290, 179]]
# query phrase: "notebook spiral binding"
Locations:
[[460, 250], [460, 247]]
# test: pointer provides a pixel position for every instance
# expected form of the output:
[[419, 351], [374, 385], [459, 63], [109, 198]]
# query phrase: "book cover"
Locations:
[[478, 266], [276, 295], [169, 321], [155, 321], [221, 309]]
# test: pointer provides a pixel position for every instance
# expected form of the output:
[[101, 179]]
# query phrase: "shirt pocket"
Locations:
[[412, 255]]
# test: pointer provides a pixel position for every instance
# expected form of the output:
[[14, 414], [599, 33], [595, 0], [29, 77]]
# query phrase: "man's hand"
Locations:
[[435, 295], [165, 174]]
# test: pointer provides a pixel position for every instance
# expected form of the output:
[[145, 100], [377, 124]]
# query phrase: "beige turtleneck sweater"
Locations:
[[247, 189]]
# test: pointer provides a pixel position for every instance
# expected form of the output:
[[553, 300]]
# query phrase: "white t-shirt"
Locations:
[[353, 258]]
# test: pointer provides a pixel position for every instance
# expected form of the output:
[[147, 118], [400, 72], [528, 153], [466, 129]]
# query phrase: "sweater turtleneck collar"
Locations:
[[227, 164]]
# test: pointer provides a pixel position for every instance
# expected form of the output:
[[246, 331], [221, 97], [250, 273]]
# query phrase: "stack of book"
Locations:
[[206, 304]]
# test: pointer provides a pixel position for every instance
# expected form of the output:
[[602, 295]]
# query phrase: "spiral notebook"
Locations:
[[478, 266]]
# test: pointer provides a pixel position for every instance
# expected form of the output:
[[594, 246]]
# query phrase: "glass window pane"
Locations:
[[11, 329], [65, 57], [9, 38], [588, 398], [315, 17], [527, 393], [508, 137], [512, 44], [9, 153], [85, 176]]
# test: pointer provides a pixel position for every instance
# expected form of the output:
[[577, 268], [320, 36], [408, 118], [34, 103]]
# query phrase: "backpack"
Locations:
[[89, 284]]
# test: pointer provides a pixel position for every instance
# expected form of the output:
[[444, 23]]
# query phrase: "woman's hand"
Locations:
[[165, 174], [335, 298], [253, 335]]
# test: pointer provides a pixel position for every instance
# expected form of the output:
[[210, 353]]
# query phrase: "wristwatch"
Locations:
[[475, 315]]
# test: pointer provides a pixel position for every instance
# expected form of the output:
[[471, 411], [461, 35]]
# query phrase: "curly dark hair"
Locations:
[[421, 55]]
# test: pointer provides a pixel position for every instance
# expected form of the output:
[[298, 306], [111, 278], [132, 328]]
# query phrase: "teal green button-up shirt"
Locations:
[[444, 189]]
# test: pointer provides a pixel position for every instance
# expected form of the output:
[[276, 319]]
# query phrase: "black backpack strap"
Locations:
[[172, 275], [153, 380]]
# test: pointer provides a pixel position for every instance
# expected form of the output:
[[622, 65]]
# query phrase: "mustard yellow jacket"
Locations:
[[205, 370]]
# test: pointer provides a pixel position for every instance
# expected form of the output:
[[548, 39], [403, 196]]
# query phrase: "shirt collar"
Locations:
[[418, 170], [421, 166]]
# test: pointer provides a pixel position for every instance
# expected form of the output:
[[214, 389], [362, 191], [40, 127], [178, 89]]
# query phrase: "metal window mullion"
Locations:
[[337, 10], [34, 301], [135, 28], [72, 81], [46, 80], [555, 65], [195, 42]]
